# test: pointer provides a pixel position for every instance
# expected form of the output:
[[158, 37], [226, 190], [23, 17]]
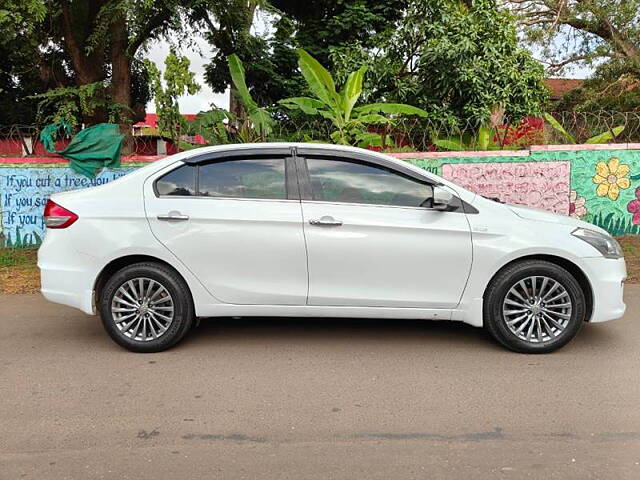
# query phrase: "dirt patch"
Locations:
[[631, 246], [18, 271]]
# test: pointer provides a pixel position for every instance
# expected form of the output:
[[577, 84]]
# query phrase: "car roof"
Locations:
[[206, 154]]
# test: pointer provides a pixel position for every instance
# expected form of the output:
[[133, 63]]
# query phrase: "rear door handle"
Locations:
[[171, 216], [326, 221]]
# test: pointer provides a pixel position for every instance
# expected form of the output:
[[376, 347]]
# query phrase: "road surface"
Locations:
[[314, 399]]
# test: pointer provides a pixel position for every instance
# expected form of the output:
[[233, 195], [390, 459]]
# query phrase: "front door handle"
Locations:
[[326, 221], [173, 215]]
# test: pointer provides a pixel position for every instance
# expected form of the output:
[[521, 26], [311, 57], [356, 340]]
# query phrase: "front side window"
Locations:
[[352, 182], [246, 178]]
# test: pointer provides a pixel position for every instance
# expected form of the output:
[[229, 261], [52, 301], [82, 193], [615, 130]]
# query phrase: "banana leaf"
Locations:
[[604, 137]]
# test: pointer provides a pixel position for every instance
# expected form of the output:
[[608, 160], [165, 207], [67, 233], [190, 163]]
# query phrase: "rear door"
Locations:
[[372, 239], [236, 223]]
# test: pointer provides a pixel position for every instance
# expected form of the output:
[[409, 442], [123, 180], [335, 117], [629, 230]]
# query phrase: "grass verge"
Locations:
[[19, 273]]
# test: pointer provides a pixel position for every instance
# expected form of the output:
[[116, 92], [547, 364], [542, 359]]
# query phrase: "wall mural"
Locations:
[[607, 189], [535, 184], [598, 186], [24, 193], [604, 185]]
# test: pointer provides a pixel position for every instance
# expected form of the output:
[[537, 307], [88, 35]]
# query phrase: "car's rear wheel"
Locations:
[[146, 307], [534, 306]]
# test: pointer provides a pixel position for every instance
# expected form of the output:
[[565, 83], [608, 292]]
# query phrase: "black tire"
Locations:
[[494, 318], [183, 311]]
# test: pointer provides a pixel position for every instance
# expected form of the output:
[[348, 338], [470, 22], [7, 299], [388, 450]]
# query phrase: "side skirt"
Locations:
[[227, 310]]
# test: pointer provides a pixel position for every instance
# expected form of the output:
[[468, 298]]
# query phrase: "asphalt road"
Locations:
[[314, 399]]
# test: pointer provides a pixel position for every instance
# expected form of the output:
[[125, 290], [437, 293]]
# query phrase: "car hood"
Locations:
[[537, 215]]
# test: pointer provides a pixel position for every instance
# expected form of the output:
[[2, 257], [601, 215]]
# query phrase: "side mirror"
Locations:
[[441, 199]]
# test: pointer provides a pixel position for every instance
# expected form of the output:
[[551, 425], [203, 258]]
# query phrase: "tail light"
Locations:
[[56, 216]]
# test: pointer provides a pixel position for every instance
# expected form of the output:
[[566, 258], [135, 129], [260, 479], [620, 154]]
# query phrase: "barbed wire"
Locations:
[[406, 133]]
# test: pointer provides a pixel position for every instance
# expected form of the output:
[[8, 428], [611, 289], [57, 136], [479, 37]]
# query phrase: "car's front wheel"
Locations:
[[534, 306], [146, 307]]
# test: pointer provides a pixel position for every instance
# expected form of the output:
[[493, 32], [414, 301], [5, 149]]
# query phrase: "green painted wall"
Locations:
[[604, 184]]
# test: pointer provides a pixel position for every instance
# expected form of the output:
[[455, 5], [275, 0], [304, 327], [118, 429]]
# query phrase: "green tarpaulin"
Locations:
[[91, 150]]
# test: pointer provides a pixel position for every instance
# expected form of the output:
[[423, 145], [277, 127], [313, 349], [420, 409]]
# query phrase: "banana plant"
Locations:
[[212, 126], [260, 119], [339, 107], [603, 137], [220, 127]]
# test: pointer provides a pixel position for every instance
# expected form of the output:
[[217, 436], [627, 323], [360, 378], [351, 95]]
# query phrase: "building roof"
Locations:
[[561, 86], [151, 120]]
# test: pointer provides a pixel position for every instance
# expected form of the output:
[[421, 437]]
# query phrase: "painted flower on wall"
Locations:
[[577, 205], [634, 207], [611, 177]]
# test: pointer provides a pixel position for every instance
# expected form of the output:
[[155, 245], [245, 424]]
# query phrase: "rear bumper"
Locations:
[[607, 278], [66, 287], [66, 273]]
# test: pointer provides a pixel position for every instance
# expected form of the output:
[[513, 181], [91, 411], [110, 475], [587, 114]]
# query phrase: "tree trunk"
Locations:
[[88, 67], [121, 80]]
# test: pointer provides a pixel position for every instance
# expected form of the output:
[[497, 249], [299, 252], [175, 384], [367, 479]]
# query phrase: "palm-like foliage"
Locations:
[[351, 122], [260, 119]]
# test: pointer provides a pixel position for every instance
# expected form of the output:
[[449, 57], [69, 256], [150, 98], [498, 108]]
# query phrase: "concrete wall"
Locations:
[[597, 183]]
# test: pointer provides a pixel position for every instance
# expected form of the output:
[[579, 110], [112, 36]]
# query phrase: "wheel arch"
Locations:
[[118, 263], [568, 265]]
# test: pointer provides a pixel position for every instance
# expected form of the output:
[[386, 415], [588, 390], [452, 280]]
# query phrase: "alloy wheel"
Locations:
[[142, 309], [537, 309]]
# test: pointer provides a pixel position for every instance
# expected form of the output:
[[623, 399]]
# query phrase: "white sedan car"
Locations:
[[320, 231]]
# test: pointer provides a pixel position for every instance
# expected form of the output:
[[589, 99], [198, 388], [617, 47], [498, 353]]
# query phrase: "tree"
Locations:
[[230, 34], [612, 88], [20, 73], [316, 25], [97, 43], [587, 30], [103, 37], [19, 18], [456, 59], [178, 81], [20, 78], [603, 34]]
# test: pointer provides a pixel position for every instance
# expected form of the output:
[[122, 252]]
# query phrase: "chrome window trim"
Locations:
[[242, 199], [379, 205]]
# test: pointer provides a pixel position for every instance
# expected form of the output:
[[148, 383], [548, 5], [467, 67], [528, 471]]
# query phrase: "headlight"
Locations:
[[605, 244]]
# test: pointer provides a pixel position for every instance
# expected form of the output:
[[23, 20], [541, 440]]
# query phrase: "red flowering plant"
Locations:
[[634, 208]]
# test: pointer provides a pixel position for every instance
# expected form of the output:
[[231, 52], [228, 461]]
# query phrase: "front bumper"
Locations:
[[607, 278]]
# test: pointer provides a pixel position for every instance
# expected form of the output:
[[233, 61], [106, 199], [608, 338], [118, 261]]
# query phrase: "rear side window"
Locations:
[[180, 182], [246, 178]]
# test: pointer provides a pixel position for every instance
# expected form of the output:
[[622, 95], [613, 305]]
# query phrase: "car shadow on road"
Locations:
[[367, 331], [339, 330]]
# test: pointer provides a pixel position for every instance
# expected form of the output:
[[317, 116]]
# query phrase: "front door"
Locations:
[[237, 225], [371, 243]]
